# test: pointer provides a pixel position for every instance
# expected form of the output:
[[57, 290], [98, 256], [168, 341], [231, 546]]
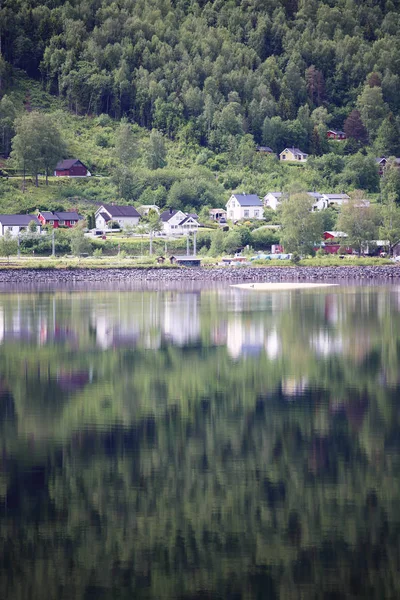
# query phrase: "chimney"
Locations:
[[170, 211]]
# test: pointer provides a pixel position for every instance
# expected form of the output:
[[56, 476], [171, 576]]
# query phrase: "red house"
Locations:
[[332, 134], [71, 167], [58, 219]]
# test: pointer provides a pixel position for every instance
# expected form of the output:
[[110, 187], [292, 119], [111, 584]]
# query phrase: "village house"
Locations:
[[325, 201], [216, 214], [334, 134], [59, 218], [124, 216], [144, 209], [264, 150], [273, 199], [293, 155], [382, 162], [176, 222], [71, 167], [244, 206], [15, 224]]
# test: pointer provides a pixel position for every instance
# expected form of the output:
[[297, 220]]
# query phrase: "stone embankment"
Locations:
[[225, 274]]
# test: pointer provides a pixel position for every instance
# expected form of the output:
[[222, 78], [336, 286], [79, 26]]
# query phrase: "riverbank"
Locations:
[[238, 274]]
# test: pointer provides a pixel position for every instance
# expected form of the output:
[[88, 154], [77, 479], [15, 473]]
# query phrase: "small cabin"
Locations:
[[71, 167]]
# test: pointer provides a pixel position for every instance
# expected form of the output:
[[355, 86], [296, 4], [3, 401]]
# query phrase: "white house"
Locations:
[[146, 208], [123, 215], [244, 206], [15, 224], [328, 200], [273, 200], [176, 222]]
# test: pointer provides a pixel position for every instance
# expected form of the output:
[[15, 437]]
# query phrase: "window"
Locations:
[[246, 213], [61, 223], [256, 213], [231, 214], [283, 156]]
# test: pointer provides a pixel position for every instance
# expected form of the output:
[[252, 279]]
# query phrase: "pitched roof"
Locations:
[[68, 163], [121, 211], [105, 216], [315, 195], [20, 220], [48, 215], [264, 149], [336, 131], [67, 216], [188, 218], [275, 194], [295, 151], [248, 199], [336, 196], [167, 214]]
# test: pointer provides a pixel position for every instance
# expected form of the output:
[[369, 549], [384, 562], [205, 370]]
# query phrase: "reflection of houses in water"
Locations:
[[181, 323], [326, 344], [273, 345], [72, 381], [244, 338], [114, 335], [294, 387]]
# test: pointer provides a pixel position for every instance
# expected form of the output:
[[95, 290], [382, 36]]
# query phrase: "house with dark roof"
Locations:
[[244, 206], [335, 134], [16, 224], [59, 218], [293, 155], [382, 162], [110, 213], [176, 222], [264, 150], [71, 167]]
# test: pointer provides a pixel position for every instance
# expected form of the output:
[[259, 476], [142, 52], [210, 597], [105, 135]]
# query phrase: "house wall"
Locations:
[[172, 225], [74, 171], [235, 212], [122, 221], [289, 156], [15, 229], [271, 202]]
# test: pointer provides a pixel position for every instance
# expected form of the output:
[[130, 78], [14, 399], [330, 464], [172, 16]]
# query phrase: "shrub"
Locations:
[[295, 258]]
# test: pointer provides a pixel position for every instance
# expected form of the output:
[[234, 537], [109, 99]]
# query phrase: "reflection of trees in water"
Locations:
[[166, 473]]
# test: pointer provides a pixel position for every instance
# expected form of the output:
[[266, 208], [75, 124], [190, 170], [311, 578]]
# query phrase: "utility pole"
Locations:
[[194, 243], [19, 249], [187, 245], [53, 243]]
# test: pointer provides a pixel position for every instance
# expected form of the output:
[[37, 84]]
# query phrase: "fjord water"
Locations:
[[191, 444]]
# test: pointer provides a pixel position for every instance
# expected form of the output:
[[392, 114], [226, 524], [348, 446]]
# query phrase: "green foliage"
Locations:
[[38, 144], [301, 228], [359, 221], [8, 245], [79, 243]]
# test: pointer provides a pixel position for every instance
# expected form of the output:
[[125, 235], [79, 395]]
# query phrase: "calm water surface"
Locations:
[[200, 444]]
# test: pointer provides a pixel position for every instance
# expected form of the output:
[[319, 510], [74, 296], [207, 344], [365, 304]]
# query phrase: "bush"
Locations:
[[320, 253], [295, 258]]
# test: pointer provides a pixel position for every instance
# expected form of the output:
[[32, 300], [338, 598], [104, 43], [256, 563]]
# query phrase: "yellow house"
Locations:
[[293, 154]]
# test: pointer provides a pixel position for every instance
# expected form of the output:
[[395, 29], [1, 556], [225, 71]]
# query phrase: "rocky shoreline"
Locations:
[[100, 276]]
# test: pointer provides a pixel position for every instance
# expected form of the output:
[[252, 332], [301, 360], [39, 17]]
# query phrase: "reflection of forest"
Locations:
[[200, 445]]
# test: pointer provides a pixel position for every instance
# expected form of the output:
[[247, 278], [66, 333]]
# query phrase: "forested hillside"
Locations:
[[280, 70]]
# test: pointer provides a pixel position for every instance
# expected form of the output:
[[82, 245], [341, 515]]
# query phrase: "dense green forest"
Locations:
[[207, 71], [168, 101]]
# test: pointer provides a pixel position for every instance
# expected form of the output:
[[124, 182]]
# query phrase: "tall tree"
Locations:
[[372, 109], [301, 228], [125, 144], [7, 117], [354, 127], [156, 151], [359, 220], [37, 145]]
